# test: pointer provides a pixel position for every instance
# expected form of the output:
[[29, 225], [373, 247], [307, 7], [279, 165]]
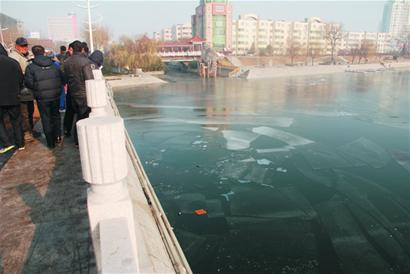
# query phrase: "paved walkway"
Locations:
[[43, 216]]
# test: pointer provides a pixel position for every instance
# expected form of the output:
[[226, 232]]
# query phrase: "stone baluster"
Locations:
[[96, 97], [104, 165], [97, 73]]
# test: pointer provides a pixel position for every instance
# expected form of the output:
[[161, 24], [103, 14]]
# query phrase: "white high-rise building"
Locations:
[[396, 17]]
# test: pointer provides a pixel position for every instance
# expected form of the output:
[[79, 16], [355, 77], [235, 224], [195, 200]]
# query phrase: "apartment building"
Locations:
[[181, 31], [306, 37], [174, 33]]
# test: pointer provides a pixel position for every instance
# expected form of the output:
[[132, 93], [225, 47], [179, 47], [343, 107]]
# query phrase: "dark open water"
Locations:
[[297, 175]]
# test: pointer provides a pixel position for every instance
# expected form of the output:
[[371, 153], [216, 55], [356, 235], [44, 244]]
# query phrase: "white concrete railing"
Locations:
[[180, 54], [104, 165]]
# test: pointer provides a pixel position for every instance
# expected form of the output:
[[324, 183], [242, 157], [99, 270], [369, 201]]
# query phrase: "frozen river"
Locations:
[[296, 175]]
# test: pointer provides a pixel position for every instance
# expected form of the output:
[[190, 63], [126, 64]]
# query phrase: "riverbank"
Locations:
[[125, 81], [284, 71]]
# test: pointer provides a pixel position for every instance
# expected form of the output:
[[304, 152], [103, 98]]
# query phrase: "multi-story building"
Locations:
[[251, 32], [174, 33], [63, 28], [156, 35], [396, 17], [11, 29], [381, 42], [212, 22], [181, 31], [166, 34]]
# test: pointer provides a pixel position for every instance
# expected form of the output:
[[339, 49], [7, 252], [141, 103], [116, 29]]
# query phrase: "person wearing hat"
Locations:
[[11, 81], [22, 55], [46, 79]]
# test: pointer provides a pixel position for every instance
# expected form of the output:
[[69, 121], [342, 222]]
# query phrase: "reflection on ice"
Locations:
[[367, 152], [238, 140], [325, 113], [283, 136]]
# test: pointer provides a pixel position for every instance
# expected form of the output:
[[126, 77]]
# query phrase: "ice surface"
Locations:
[[286, 137], [280, 169], [278, 122], [211, 128], [257, 175], [238, 140], [248, 160], [326, 113], [235, 170], [264, 162], [367, 152], [322, 157], [227, 195], [273, 150], [402, 158]]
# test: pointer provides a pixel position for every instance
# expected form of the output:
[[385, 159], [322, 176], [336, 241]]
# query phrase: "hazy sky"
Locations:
[[138, 17]]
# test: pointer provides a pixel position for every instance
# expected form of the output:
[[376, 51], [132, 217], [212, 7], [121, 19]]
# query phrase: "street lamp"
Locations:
[[90, 27]]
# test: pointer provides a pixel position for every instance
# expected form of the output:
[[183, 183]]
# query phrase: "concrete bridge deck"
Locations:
[[44, 222], [43, 212]]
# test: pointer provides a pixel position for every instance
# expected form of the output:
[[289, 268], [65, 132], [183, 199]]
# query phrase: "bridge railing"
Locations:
[[129, 229], [180, 53]]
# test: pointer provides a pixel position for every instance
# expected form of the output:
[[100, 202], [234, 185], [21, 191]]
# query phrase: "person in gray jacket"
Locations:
[[77, 70]]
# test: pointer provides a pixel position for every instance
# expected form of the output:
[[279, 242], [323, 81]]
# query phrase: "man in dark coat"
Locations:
[[11, 81], [69, 111], [77, 69], [45, 79]]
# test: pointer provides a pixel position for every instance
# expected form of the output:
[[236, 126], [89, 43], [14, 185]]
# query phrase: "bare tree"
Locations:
[[10, 35], [367, 48], [292, 49], [354, 52], [313, 53], [333, 35], [130, 54], [101, 36]]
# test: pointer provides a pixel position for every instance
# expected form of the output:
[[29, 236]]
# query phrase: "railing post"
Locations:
[[104, 165], [96, 97]]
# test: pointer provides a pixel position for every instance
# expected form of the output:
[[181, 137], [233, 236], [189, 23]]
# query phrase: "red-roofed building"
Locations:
[[184, 45]]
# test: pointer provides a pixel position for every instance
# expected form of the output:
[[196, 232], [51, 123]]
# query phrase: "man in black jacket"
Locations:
[[45, 79], [77, 69], [11, 81]]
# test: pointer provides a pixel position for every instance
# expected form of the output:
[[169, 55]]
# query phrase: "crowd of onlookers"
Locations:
[[53, 84]]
